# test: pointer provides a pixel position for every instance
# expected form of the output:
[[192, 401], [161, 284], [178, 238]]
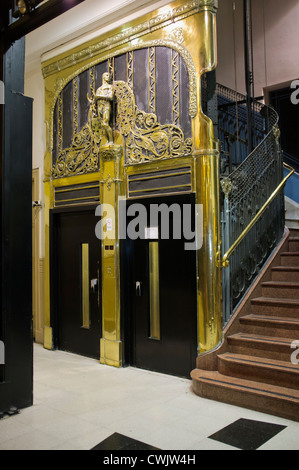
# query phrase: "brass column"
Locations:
[[209, 298], [111, 168]]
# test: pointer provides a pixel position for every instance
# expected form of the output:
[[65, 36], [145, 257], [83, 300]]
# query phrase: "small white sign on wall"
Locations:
[[109, 225]]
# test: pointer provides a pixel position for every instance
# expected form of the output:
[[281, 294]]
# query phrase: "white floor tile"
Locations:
[[209, 444], [12, 428], [68, 427], [32, 440], [86, 441], [78, 403]]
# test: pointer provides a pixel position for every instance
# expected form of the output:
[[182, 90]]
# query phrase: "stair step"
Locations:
[[285, 273], [290, 259], [259, 370], [265, 398], [261, 346], [292, 223], [275, 307], [280, 289], [276, 326], [294, 244]]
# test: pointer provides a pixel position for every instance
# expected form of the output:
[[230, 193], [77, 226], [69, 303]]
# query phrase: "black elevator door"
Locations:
[[78, 257], [165, 281]]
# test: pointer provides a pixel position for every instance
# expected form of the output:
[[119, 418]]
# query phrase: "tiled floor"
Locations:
[[82, 405]]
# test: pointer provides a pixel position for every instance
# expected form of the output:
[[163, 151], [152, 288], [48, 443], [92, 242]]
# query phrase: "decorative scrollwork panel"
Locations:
[[151, 111]]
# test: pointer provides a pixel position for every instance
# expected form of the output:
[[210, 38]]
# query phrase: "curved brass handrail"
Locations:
[[225, 260]]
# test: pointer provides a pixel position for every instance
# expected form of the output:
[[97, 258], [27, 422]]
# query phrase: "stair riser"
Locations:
[[275, 310], [281, 292], [285, 276], [263, 404], [289, 260], [294, 246], [274, 331], [258, 374], [272, 351]]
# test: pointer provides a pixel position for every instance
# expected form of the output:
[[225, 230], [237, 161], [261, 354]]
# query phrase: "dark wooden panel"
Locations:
[[176, 352], [172, 181], [70, 228], [85, 193]]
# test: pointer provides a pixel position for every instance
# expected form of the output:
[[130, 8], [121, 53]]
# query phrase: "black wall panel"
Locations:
[[16, 387]]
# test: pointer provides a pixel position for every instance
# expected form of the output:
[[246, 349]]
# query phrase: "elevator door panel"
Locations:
[[165, 306], [78, 295]]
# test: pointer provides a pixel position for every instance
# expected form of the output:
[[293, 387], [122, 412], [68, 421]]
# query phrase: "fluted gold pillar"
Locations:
[[209, 298], [111, 189]]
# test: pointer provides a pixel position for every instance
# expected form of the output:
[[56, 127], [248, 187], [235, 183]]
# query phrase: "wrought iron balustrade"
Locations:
[[246, 191], [248, 181], [230, 122]]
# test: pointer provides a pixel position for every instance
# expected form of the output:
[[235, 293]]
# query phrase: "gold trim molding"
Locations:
[[131, 34]]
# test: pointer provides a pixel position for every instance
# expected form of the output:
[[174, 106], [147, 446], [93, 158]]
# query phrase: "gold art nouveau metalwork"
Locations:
[[60, 83], [83, 155], [104, 102], [145, 138]]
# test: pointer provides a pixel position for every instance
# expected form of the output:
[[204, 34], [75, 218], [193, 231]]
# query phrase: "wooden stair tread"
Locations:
[[286, 268], [246, 386], [272, 300], [289, 284], [290, 321], [261, 362], [247, 337], [290, 253]]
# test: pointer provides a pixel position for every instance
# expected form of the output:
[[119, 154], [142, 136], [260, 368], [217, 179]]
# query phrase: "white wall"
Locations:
[[276, 43], [34, 87]]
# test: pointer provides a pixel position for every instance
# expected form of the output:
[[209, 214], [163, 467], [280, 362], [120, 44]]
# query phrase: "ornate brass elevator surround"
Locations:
[[188, 29]]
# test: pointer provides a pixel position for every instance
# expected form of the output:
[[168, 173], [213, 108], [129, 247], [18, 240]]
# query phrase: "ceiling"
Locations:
[[20, 17]]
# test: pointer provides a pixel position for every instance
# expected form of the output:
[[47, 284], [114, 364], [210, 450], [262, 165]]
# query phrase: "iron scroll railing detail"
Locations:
[[246, 191], [225, 260], [227, 109]]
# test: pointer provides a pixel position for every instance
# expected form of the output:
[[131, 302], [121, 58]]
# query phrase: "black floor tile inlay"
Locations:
[[247, 434], [120, 442]]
